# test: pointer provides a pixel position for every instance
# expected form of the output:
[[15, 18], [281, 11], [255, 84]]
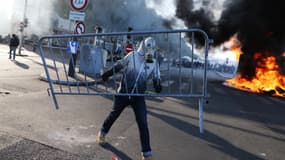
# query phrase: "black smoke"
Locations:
[[195, 19], [259, 25]]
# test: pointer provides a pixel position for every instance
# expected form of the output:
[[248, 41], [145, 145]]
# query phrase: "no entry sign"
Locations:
[[79, 28], [79, 5]]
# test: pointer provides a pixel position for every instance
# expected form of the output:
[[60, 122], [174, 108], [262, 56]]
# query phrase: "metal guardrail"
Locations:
[[78, 72]]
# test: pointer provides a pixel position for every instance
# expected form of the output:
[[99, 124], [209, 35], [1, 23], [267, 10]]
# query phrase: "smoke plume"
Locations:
[[38, 13], [5, 12], [141, 15], [120, 14], [259, 25]]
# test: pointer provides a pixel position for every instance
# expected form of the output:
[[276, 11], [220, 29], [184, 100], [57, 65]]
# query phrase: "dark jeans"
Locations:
[[72, 64], [139, 107], [12, 51]]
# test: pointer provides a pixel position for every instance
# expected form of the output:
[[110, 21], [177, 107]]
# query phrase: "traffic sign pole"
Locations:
[[79, 27], [78, 6], [22, 29]]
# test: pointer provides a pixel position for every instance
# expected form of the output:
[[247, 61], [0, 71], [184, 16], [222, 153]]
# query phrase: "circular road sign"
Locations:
[[21, 25], [79, 5], [79, 28]]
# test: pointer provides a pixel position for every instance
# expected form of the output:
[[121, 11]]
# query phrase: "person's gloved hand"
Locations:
[[157, 86], [105, 75], [110, 72]]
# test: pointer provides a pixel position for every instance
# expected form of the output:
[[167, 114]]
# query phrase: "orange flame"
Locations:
[[234, 45], [267, 78], [237, 52]]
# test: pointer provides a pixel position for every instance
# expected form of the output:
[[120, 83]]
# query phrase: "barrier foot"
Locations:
[[201, 115]]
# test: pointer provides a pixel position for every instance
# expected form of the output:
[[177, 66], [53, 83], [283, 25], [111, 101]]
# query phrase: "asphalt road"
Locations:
[[238, 125]]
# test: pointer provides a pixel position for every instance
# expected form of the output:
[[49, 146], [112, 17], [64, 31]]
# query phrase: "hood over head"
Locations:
[[147, 46]]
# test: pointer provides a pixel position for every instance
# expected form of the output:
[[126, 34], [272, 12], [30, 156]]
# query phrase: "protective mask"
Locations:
[[149, 57]]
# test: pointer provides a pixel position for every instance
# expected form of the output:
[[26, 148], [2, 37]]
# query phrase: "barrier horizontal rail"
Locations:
[[74, 64]]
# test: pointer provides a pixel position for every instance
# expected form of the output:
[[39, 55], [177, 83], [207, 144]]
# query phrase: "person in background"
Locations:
[[138, 67], [14, 43], [129, 46], [73, 49]]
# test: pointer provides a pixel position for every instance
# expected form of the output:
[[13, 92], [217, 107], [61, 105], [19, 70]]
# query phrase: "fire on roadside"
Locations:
[[267, 79]]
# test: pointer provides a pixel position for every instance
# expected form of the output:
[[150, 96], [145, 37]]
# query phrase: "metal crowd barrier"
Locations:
[[73, 63]]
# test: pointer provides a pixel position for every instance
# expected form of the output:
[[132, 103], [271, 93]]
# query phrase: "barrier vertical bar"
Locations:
[[47, 74], [192, 61], [180, 65], [201, 115], [168, 65]]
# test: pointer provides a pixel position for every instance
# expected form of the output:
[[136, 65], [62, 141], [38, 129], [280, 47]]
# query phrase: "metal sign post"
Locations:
[[22, 28], [76, 18], [77, 15]]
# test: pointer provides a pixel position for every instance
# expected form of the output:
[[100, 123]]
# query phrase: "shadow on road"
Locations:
[[22, 55], [260, 108], [241, 104], [39, 63], [223, 124], [213, 140], [115, 151], [22, 65]]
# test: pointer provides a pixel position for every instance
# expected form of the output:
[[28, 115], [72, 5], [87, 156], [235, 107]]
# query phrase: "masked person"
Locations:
[[138, 67]]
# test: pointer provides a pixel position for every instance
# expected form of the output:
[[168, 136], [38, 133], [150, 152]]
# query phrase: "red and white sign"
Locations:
[[79, 28], [21, 25], [129, 48], [79, 5]]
